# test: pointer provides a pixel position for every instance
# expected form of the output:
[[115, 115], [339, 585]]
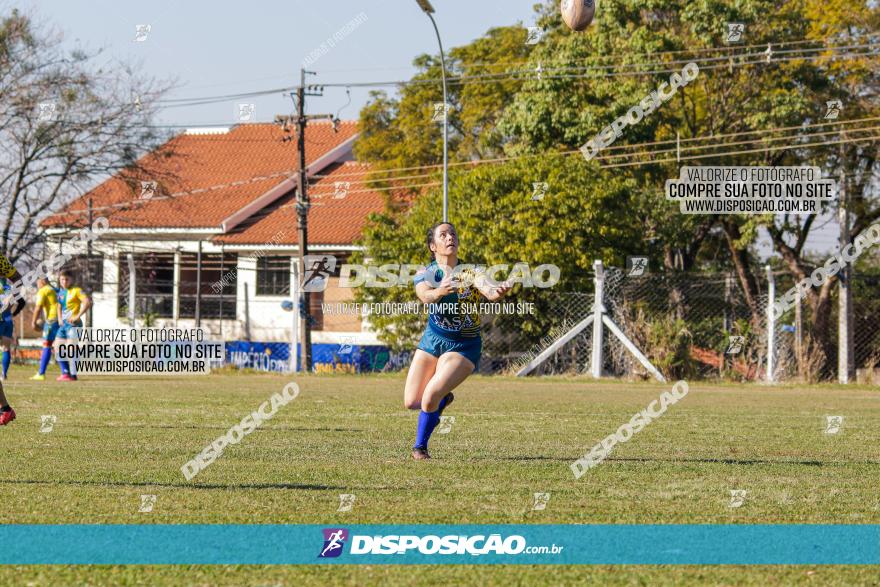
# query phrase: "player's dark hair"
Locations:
[[66, 273], [429, 237]]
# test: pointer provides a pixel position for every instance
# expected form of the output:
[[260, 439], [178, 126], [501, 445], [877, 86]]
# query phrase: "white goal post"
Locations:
[[598, 319]]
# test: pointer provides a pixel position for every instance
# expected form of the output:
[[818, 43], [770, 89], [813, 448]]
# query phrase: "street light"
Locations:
[[425, 5]]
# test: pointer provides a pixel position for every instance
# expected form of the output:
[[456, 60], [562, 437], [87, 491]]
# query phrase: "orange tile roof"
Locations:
[[336, 217], [204, 178]]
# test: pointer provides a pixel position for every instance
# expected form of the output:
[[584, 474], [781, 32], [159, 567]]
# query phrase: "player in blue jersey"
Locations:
[[450, 348], [13, 305], [7, 333]]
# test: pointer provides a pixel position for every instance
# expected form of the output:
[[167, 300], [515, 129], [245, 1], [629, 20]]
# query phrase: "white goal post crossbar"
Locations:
[[597, 313], [632, 348], [550, 350]]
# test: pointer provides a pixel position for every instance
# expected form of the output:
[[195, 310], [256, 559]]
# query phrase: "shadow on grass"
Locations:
[[310, 487], [706, 461], [178, 427]]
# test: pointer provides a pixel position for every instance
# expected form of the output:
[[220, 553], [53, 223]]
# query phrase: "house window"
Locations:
[[88, 272], [219, 279], [154, 285], [273, 276]]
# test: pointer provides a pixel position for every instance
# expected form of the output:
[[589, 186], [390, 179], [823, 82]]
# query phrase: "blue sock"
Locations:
[[45, 358], [427, 422], [64, 369], [7, 358], [439, 411]]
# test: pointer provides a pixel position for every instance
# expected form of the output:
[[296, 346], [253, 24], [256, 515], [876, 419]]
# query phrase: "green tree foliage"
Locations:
[[399, 132], [578, 220], [609, 208]]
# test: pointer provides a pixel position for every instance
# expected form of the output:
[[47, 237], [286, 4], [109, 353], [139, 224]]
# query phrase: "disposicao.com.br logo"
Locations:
[[431, 544]]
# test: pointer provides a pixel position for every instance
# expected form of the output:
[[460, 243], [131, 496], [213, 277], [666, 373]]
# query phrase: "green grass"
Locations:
[[118, 438]]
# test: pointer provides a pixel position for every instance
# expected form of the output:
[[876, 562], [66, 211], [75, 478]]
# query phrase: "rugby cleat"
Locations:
[[38, 377], [420, 454], [66, 377], [7, 417]]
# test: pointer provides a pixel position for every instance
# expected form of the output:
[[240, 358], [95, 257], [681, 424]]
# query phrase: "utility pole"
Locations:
[[845, 323], [302, 215], [301, 120]]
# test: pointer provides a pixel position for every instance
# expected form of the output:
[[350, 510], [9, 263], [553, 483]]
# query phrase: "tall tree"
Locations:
[[572, 85], [66, 123]]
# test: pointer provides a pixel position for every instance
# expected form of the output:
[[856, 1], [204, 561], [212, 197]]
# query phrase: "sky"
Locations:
[[220, 47]]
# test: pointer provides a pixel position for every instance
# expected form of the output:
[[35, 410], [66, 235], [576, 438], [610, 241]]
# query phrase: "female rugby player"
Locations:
[[450, 347]]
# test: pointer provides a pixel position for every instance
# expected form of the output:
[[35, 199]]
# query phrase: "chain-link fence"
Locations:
[[866, 322], [688, 325]]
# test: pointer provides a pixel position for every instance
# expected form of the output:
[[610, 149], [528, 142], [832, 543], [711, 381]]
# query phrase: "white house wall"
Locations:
[[268, 321]]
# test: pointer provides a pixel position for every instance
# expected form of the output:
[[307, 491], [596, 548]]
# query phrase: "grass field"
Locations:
[[118, 438]]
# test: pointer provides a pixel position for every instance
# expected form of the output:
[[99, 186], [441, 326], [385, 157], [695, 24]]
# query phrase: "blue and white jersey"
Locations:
[[459, 317]]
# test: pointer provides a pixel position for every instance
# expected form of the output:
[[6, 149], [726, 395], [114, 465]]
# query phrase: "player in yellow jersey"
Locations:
[[45, 309], [72, 304], [8, 272]]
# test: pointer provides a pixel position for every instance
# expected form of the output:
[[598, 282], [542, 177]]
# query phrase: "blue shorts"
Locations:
[[50, 331], [436, 344], [7, 327], [65, 332]]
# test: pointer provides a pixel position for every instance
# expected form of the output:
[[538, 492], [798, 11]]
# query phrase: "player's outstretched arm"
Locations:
[[432, 295], [491, 292]]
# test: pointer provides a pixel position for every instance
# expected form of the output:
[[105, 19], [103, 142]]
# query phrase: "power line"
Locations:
[[518, 75], [761, 140], [128, 205], [743, 152], [607, 56], [719, 58], [532, 74], [628, 146]]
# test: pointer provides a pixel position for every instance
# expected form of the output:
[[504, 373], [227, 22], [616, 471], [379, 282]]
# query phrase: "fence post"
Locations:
[[799, 336], [728, 317], [199, 287], [247, 314], [771, 324], [132, 290], [598, 310], [845, 347], [294, 333]]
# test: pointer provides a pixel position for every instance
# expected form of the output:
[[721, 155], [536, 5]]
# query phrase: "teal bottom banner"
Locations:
[[659, 544]]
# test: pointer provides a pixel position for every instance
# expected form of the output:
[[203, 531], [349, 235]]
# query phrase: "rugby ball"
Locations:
[[578, 14]]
